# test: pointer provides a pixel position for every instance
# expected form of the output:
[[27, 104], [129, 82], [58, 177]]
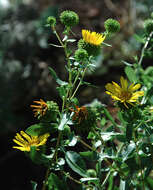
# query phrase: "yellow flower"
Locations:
[[93, 38], [39, 109], [80, 114], [25, 141], [124, 93]]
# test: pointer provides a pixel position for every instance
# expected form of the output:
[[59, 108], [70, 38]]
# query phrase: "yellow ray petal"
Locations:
[[25, 136], [19, 138], [133, 87], [22, 148], [124, 83], [18, 142]]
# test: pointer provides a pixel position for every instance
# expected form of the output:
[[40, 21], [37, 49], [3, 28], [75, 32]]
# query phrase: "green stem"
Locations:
[[139, 160], [105, 159], [58, 37], [85, 144], [57, 145], [144, 47], [79, 83], [64, 45], [106, 179], [45, 181], [75, 80], [75, 180]]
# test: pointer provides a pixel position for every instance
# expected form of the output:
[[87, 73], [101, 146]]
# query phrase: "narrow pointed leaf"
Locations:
[[76, 163], [57, 79]]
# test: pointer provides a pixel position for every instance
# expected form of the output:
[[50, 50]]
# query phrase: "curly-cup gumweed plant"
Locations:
[[83, 147]]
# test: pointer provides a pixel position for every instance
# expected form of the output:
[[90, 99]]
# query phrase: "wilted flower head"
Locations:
[[92, 37], [80, 114], [40, 109], [124, 93], [25, 141]]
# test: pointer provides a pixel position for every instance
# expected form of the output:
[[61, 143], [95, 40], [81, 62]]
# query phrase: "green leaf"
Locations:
[[139, 38], [149, 181], [63, 122], [121, 118], [129, 71], [55, 182], [37, 157], [128, 151], [76, 163], [88, 84], [40, 129], [129, 130], [126, 63], [149, 96], [54, 75], [106, 44], [109, 135], [110, 187], [71, 40], [89, 179], [34, 185], [72, 139], [62, 91], [56, 45], [124, 185], [89, 155]]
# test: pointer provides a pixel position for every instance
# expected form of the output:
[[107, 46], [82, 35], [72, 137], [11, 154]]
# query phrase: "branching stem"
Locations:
[[144, 47]]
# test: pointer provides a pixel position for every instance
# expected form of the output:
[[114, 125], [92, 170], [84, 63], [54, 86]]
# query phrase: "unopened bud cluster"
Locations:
[[112, 26]]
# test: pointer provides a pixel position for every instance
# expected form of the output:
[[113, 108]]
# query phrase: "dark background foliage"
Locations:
[[25, 55]]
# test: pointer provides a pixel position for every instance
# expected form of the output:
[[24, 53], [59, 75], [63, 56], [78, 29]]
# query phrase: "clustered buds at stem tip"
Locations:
[[69, 18], [111, 25], [51, 20], [80, 55]]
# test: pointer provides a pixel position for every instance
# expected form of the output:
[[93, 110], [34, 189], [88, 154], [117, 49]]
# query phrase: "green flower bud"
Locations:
[[111, 25], [91, 49], [52, 106], [66, 130], [69, 18], [148, 25], [152, 15], [91, 173], [81, 55], [52, 112], [51, 20]]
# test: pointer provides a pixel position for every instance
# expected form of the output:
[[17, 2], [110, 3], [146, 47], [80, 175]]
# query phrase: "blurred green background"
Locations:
[[25, 55]]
